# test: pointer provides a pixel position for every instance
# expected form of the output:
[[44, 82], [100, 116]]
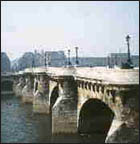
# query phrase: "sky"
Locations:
[[97, 28]]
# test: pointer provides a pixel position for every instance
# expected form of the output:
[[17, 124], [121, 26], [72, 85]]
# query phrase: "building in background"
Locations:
[[119, 58], [90, 61], [135, 60], [36, 59], [55, 58], [59, 59], [113, 59]]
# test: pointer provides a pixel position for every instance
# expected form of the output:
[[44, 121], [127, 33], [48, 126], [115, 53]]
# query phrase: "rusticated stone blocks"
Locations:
[[128, 130], [64, 111], [27, 92], [40, 105], [40, 101], [19, 87]]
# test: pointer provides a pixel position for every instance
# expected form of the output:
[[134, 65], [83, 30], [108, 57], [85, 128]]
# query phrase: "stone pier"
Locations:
[[125, 126], [19, 87], [41, 94], [27, 91], [64, 111]]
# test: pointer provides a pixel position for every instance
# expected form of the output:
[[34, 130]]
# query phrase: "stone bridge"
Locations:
[[7, 82], [84, 100]]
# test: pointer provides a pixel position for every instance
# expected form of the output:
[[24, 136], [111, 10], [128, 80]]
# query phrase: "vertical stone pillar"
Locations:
[[27, 92], [41, 94], [20, 85], [35, 84], [16, 81], [64, 111]]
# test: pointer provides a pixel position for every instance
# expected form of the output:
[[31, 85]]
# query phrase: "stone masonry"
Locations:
[[112, 93]]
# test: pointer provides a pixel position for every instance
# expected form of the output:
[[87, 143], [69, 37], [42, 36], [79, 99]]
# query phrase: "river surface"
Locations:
[[20, 125]]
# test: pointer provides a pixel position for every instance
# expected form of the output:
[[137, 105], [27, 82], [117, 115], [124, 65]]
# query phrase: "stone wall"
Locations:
[[64, 111], [27, 91], [41, 95], [111, 89], [128, 131], [122, 100]]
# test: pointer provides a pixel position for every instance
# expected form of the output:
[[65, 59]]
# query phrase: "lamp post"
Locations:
[[127, 40], [69, 63], [108, 61], [76, 49], [48, 60], [45, 59], [33, 62], [116, 63]]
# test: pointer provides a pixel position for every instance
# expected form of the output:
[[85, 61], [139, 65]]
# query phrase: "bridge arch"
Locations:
[[95, 118], [7, 85], [54, 95]]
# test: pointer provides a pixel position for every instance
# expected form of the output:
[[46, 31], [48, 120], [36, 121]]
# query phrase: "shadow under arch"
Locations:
[[95, 120], [7, 85], [54, 96]]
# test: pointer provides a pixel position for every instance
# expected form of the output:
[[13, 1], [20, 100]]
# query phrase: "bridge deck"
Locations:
[[106, 75]]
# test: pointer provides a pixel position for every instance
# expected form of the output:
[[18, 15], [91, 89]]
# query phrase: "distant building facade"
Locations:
[[90, 61], [119, 58], [135, 60], [36, 59], [112, 60], [55, 58], [59, 59]]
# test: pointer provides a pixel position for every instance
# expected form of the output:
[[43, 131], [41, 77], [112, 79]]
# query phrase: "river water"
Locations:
[[20, 125]]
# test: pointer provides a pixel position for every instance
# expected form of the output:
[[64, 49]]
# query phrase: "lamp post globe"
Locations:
[[128, 38]]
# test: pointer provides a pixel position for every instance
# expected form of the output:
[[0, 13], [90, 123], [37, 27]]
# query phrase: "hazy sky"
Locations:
[[97, 28]]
